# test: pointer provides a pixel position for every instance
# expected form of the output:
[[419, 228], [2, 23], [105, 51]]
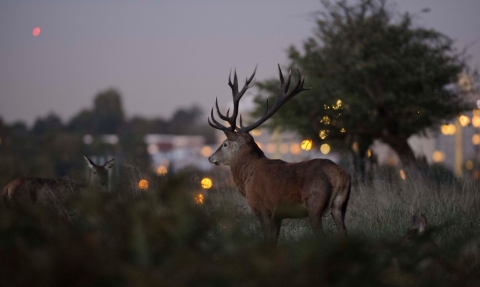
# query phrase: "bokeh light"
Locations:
[[271, 148], [448, 129], [295, 148], [325, 148], [438, 156], [476, 121], [162, 170], [206, 151], [199, 198], [402, 174], [306, 145], [256, 132], [464, 120], [206, 183], [469, 165], [143, 184], [283, 148], [36, 31], [476, 139], [323, 134]]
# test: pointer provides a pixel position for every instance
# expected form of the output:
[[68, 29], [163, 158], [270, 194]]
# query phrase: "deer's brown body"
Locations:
[[276, 189], [51, 191], [47, 191]]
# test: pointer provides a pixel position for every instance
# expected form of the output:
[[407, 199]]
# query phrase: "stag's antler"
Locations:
[[282, 98], [236, 100]]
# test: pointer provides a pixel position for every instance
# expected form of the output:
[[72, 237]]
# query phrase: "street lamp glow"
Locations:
[[476, 121], [464, 120], [325, 148], [476, 139], [449, 129], [438, 156]]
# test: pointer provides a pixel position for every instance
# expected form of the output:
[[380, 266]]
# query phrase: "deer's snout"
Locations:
[[212, 160]]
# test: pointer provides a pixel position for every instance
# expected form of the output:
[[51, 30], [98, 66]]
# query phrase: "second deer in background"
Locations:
[[52, 192]]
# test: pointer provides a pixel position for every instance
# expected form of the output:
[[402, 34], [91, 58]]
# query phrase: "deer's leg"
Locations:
[[316, 207], [316, 223], [270, 227], [339, 219], [275, 230], [339, 208]]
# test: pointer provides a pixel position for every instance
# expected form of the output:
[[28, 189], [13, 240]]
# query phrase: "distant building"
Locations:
[[174, 152]]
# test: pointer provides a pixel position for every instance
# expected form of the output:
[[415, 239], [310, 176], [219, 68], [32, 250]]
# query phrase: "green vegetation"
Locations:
[[374, 75], [159, 236]]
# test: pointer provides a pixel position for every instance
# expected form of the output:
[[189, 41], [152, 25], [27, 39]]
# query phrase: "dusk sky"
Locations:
[[163, 55]]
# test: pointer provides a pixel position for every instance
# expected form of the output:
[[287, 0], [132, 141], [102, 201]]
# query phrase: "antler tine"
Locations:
[[225, 118], [287, 85], [266, 111], [217, 125], [237, 95], [282, 98]]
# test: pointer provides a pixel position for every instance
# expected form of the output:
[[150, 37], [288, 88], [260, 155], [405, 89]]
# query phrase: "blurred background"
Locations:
[[136, 81], [394, 100]]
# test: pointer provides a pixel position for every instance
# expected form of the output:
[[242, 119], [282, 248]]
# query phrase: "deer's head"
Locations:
[[99, 173], [239, 142]]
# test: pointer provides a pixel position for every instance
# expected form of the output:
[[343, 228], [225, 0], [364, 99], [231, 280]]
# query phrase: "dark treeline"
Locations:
[[53, 148]]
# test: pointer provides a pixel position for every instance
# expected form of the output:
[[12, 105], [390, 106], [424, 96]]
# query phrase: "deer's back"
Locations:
[[275, 182], [40, 190]]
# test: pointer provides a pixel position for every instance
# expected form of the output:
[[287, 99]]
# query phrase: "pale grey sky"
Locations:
[[162, 55]]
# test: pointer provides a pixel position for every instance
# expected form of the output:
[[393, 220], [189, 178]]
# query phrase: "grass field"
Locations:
[[161, 237]]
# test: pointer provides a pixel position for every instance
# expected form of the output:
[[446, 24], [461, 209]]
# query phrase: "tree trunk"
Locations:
[[403, 150]]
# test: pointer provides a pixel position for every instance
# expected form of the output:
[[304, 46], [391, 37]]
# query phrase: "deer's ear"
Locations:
[[232, 136], [88, 161], [109, 164]]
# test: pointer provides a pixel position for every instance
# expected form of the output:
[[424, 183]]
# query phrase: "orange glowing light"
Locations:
[[36, 31], [438, 156], [295, 148], [199, 198], [402, 174], [143, 184], [162, 170]]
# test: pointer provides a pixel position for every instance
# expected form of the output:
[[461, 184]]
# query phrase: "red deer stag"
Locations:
[[51, 191], [276, 189]]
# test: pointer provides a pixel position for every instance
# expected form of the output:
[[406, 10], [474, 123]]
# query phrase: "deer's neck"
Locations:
[[243, 168]]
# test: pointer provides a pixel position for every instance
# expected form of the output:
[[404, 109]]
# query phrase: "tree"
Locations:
[[185, 121], [51, 123], [83, 122], [374, 75], [108, 112]]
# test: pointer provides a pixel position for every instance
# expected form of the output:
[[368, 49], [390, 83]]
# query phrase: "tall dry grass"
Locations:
[[160, 237]]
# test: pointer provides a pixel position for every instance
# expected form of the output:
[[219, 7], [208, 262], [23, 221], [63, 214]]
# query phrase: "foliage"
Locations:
[[54, 149], [374, 75], [160, 237]]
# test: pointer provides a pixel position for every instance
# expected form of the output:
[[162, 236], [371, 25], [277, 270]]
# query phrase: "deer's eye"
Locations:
[[225, 144]]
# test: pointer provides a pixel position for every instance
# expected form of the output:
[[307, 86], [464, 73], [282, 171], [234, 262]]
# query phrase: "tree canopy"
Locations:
[[374, 75]]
